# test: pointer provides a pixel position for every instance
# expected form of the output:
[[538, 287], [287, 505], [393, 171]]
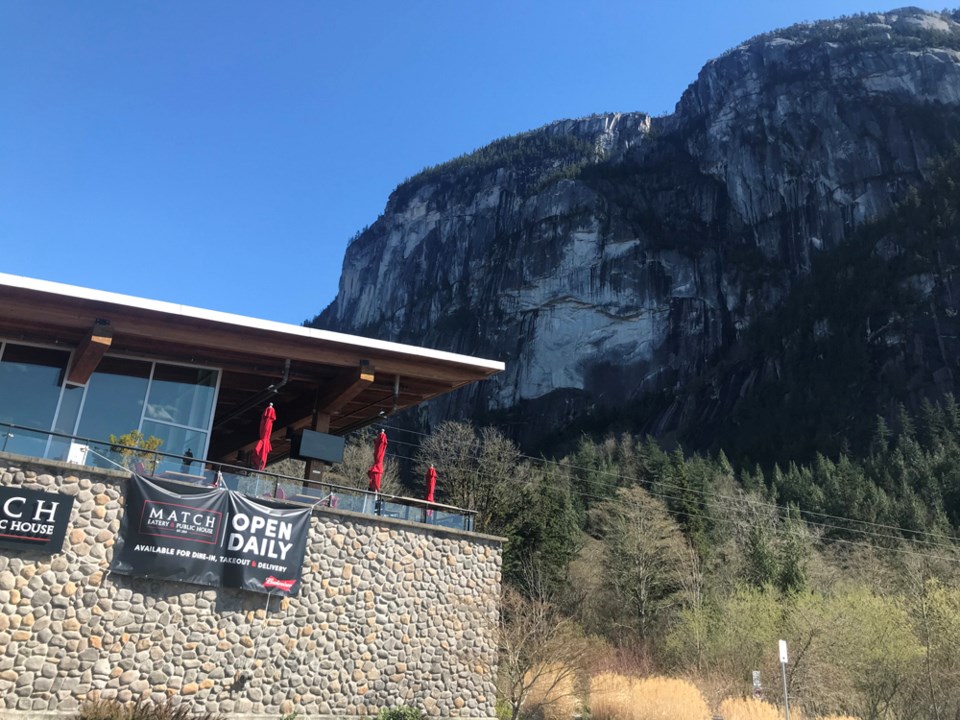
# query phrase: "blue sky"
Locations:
[[221, 153]]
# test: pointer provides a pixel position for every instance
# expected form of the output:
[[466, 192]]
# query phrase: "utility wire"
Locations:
[[724, 501], [705, 493], [787, 530]]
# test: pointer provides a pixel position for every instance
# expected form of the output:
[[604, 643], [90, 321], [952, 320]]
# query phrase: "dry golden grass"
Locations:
[[552, 690], [609, 696], [834, 717], [615, 697], [748, 709]]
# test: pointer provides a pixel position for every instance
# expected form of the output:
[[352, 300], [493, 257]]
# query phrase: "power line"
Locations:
[[786, 530], [725, 501]]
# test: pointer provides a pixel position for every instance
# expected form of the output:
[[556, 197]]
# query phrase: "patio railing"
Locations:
[[255, 483]]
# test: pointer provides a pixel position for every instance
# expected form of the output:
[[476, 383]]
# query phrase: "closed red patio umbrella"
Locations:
[[263, 448], [431, 483], [375, 473], [431, 486]]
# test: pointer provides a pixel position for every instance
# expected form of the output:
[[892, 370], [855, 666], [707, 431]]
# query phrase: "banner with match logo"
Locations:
[[211, 536]]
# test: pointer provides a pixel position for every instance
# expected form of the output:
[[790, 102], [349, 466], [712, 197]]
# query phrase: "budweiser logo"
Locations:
[[272, 582]]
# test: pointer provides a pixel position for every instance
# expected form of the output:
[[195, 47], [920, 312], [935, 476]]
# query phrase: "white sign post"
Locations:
[[783, 669]]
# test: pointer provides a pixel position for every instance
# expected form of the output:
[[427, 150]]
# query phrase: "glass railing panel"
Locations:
[[24, 442], [243, 482], [288, 488], [102, 455], [188, 471], [58, 449], [356, 503], [447, 519], [315, 494], [154, 464], [320, 495], [400, 511]]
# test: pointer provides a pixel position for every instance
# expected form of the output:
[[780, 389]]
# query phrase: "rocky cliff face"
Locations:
[[611, 257]]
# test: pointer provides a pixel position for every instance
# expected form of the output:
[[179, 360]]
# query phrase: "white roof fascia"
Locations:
[[186, 311]]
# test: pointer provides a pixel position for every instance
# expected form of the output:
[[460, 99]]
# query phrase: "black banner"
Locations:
[[211, 536], [33, 519], [171, 534], [265, 546]]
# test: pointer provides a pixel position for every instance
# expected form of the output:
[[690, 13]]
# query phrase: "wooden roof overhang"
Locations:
[[315, 378]]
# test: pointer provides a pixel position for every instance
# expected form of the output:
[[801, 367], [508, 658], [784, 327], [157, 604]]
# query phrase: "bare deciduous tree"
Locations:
[[540, 648], [472, 469], [645, 550]]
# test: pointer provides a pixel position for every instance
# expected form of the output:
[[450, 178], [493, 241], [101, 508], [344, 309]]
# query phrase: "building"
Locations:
[[385, 607], [81, 364]]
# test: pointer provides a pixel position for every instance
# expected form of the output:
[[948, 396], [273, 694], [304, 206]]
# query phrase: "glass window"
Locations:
[[29, 390], [115, 398], [69, 409], [115, 401], [177, 440], [66, 421], [182, 395]]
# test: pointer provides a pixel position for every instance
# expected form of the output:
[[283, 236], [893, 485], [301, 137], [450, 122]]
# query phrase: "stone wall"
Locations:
[[389, 612]]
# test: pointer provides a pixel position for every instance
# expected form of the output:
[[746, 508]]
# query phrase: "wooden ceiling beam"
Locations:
[[345, 388], [88, 355]]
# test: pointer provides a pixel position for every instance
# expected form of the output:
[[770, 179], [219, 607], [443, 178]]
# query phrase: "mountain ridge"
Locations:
[[612, 259]]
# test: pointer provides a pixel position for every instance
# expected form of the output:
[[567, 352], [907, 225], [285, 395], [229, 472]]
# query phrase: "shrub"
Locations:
[[661, 698], [140, 710], [551, 694], [614, 697], [610, 697], [400, 712], [748, 709]]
